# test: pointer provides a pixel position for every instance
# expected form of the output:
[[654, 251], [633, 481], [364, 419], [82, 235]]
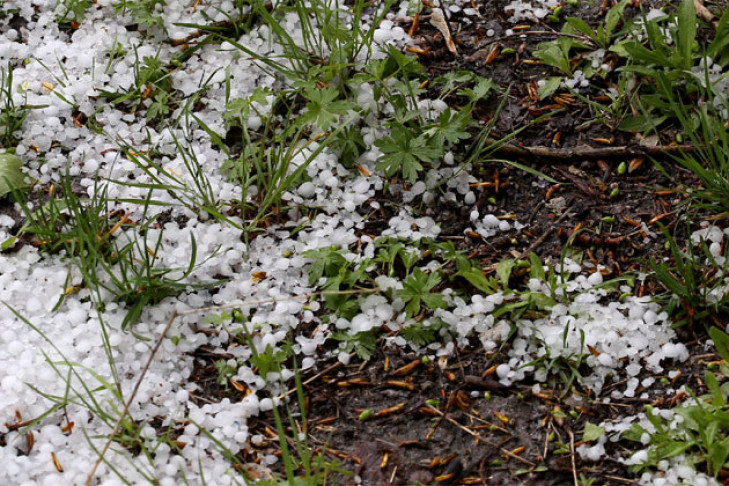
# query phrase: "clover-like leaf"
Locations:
[[11, 177], [403, 150], [324, 107]]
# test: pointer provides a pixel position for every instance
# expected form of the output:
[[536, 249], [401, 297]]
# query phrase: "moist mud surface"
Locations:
[[398, 420]]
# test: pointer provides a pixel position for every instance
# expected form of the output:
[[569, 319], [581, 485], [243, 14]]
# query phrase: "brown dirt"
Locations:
[[514, 437]]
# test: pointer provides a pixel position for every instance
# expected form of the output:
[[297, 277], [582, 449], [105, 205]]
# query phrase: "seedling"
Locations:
[[71, 13], [143, 12], [12, 116]]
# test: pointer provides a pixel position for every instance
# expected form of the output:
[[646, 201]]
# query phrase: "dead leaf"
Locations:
[[438, 21], [702, 12]]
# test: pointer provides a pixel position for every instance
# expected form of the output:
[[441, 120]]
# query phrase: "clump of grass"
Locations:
[[123, 266], [12, 115], [696, 429]]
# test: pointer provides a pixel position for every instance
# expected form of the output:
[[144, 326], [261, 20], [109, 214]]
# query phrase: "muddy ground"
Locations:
[[513, 437]]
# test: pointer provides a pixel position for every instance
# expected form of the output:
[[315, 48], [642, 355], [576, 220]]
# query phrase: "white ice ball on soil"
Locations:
[[307, 190], [502, 371], [605, 360], [594, 279], [491, 221]]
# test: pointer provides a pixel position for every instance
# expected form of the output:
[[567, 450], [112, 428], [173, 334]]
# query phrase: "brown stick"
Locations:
[[131, 398], [587, 152]]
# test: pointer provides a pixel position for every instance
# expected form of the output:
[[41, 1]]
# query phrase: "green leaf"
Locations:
[[537, 267], [75, 11], [644, 55], [541, 301], [11, 177], [434, 301], [419, 334], [327, 262], [453, 127], [592, 432], [416, 290], [712, 385], [453, 79], [142, 11], [409, 258], [551, 54], [404, 151], [686, 32], [503, 270], [641, 123], [549, 87], [582, 27], [268, 361], [718, 454], [363, 343], [612, 18], [219, 319], [476, 278], [480, 90], [9, 243], [160, 106], [324, 107], [634, 433], [721, 341], [672, 449], [619, 48]]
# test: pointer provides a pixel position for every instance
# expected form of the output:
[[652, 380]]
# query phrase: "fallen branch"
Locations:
[[586, 152]]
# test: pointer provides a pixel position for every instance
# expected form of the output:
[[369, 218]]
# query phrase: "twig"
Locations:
[[705, 14], [572, 457], [555, 33], [619, 479], [550, 229], [478, 436], [572, 154], [128, 403], [315, 377]]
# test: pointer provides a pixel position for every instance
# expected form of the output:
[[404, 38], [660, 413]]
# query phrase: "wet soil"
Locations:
[[398, 420]]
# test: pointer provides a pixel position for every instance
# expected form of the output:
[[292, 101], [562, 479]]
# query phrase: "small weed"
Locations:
[[586, 481], [191, 190], [330, 48], [604, 33], [123, 265], [405, 150], [696, 429], [558, 53], [151, 90], [704, 127], [71, 13], [143, 12], [94, 391], [565, 369], [275, 156], [225, 371], [695, 283], [12, 115]]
